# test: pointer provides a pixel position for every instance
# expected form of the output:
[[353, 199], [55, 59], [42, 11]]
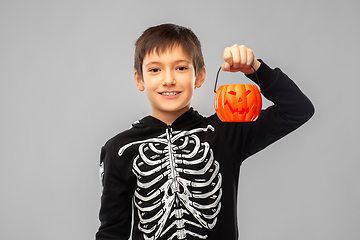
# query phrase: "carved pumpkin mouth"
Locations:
[[236, 110]]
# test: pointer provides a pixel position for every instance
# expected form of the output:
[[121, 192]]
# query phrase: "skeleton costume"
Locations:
[[181, 181]]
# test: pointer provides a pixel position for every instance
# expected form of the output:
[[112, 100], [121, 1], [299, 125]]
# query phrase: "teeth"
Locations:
[[170, 93]]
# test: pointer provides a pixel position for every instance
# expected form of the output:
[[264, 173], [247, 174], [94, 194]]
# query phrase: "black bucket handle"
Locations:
[[217, 76]]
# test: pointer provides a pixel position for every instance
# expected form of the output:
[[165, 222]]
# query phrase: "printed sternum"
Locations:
[[175, 186]]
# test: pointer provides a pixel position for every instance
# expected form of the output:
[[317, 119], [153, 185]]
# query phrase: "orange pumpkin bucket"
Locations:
[[237, 102]]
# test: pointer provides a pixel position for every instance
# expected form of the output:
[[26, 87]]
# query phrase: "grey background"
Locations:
[[66, 86]]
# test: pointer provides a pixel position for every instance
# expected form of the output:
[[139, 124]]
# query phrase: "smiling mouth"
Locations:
[[169, 93]]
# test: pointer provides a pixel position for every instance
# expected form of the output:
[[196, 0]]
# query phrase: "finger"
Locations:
[[243, 56], [227, 55], [236, 56], [225, 66], [250, 58]]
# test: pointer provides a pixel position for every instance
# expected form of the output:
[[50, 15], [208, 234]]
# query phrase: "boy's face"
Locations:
[[169, 81]]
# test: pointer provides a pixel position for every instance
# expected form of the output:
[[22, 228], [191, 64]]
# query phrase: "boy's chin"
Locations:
[[170, 111]]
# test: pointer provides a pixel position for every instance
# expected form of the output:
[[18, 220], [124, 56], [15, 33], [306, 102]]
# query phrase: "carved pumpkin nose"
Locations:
[[237, 102]]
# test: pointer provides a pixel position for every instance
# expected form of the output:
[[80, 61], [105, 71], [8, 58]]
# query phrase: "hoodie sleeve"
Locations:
[[116, 203], [291, 109]]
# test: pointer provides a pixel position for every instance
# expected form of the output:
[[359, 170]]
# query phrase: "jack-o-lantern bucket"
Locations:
[[237, 102]]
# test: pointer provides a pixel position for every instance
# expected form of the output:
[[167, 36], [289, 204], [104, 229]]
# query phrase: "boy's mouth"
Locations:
[[169, 93]]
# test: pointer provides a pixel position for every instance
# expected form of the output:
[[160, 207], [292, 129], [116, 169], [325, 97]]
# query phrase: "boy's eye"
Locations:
[[154, 70], [182, 68]]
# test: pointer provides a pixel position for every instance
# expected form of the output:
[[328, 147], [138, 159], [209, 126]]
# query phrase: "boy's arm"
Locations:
[[291, 107], [116, 203]]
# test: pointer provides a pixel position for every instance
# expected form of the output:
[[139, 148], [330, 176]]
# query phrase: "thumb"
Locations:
[[225, 66]]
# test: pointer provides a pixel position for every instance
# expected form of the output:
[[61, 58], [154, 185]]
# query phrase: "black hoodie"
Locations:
[[181, 181]]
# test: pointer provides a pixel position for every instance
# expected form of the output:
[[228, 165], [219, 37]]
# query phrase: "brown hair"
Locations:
[[164, 37]]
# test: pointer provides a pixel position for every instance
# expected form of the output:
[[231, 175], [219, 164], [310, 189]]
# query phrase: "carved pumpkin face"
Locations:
[[238, 103]]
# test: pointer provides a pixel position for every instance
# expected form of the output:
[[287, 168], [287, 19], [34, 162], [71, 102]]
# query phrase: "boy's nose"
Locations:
[[169, 80]]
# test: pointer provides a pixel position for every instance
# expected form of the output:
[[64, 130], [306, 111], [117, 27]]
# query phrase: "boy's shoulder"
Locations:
[[139, 130], [120, 137], [127, 135]]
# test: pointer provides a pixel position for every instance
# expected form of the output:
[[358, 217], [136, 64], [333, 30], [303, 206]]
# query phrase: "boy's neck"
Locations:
[[169, 117]]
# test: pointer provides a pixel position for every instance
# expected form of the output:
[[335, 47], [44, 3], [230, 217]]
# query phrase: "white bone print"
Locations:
[[178, 185]]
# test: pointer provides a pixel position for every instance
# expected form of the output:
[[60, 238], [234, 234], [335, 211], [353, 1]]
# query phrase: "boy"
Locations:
[[176, 170]]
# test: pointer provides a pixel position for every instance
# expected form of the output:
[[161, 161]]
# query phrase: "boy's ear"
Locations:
[[200, 78], [138, 81]]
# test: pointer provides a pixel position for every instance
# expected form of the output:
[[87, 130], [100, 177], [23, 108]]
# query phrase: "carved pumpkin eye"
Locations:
[[238, 103]]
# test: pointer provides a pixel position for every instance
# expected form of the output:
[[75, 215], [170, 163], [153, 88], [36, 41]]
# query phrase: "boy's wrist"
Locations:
[[256, 64], [265, 74]]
